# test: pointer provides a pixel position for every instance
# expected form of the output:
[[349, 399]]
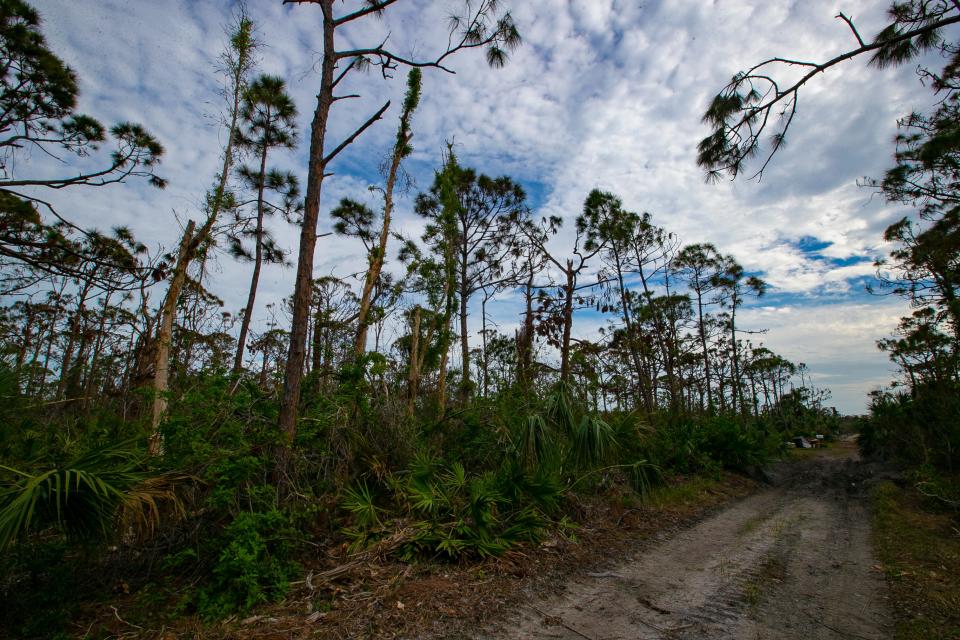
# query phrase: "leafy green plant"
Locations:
[[533, 442], [83, 497], [593, 440], [253, 565], [559, 408], [451, 513]]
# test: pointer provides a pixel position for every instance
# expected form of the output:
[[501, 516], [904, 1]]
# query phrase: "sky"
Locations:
[[603, 94]]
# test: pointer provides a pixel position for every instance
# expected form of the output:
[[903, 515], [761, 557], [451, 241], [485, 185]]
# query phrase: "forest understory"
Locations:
[[371, 596], [802, 552]]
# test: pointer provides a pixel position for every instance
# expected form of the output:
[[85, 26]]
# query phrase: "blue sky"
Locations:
[[604, 93]]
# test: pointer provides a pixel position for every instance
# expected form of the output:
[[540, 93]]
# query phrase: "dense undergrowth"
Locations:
[[207, 529], [916, 427]]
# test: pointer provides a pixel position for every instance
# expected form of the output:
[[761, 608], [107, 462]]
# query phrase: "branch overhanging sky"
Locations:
[[603, 93]]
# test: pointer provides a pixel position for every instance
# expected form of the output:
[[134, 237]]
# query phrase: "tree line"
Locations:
[[94, 318]]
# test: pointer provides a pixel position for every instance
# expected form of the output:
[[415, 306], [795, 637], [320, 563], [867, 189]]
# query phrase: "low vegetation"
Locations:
[[917, 540]]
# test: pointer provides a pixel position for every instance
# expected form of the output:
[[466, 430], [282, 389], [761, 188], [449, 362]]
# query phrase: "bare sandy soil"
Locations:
[[793, 561]]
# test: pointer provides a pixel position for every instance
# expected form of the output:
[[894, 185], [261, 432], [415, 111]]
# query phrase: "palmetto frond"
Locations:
[[85, 497]]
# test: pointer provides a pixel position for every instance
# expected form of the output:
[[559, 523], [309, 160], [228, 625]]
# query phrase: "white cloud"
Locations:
[[836, 341], [603, 93]]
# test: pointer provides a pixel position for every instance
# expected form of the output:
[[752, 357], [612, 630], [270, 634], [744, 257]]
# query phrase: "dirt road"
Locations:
[[793, 561]]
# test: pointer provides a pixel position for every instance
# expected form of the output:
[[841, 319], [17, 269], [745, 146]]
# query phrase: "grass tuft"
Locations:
[[919, 547]]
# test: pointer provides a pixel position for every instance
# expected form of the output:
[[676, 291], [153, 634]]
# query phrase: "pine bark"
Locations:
[[293, 371]]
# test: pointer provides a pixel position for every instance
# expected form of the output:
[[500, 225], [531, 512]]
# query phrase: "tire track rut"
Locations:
[[793, 561]]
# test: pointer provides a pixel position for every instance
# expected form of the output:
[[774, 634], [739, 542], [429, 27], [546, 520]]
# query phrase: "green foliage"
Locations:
[[452, 514], [592, 442], [253, 565], [920, 428], [45, 610], [534, 443], [708, 444], [227, 441], [359, 502], [245, 554], [80, 498]]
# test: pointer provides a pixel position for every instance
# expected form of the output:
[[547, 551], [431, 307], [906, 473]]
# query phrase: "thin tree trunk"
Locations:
[[24, 342], [525, 339], [257, 264], [379, 254], [35, 359], [413, 374], [293, 371], [628, 321], [567, 324], [76, 322], [737, 398], [191, 242], [317, 347], [486, 355], [97, 348], [168, 312], [706, 352], [464, 340]]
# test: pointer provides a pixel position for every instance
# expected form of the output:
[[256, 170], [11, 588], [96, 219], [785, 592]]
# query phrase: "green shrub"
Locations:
[[709, 444], [922, 428], [253, 565], [453, 514]]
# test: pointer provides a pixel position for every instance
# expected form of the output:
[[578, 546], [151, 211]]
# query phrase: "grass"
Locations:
[[687, 493], [918, 544], [750, 525], [772, 571]]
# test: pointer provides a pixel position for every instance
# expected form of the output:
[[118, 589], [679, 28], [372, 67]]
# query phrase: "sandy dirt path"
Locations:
[[793, 561]]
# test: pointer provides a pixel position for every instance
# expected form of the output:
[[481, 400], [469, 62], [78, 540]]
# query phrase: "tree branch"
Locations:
[[849, 22], [343, 145], [373, 8], [736, 148]]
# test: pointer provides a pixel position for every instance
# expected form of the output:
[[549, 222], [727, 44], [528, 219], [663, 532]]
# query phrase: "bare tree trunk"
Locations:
[[58, 309], [24, 342], [413, 374], [293, 371], [525, 338], [737, 398], [317, 347], [442, 381], [464, 339], [76, 321], [263, 370], [168, 312], [244, 45], [702, 331], [486, 355], [631, 333], [35, 359], [97, 348], [567, 324], [379, 254], [257, 265]]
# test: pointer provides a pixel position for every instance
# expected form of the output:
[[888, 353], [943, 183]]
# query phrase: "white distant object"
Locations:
[[819, 437]]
